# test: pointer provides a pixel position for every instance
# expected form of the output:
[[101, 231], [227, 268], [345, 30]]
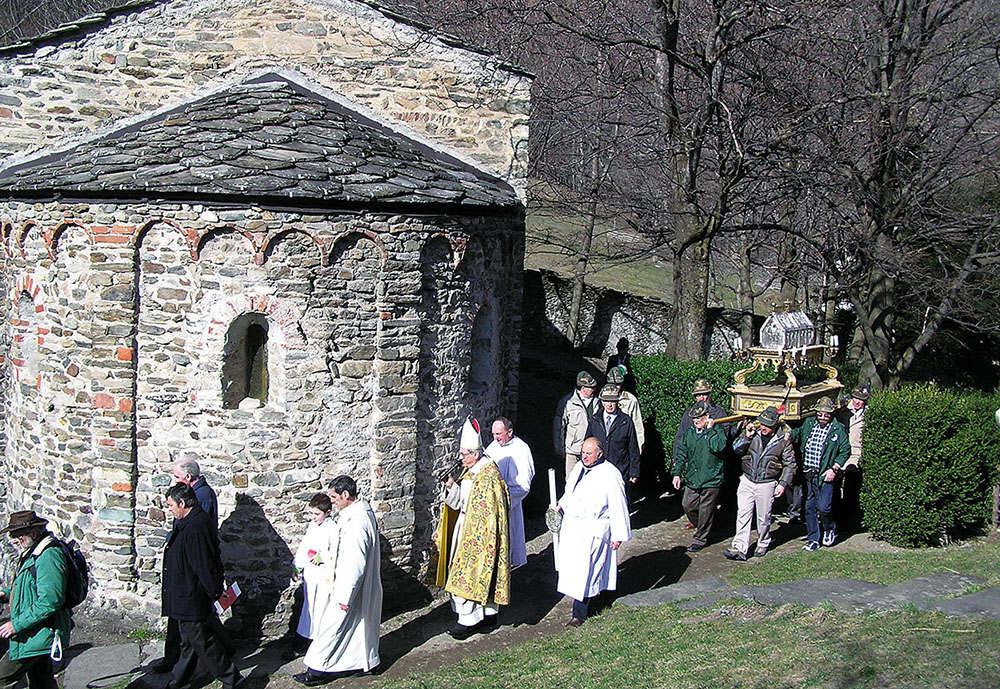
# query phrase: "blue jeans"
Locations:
[[819, 506]]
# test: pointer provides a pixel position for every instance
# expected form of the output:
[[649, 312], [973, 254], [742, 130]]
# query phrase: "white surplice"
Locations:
[[348, 640], [517, 467], [317, 580], [595, 513]]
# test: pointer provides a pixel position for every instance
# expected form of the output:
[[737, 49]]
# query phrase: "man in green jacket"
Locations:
[[38, 629], [824, 448], [699, 465]]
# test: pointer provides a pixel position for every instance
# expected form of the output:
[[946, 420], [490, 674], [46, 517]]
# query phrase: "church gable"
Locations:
[[77, 81], [265, 139]]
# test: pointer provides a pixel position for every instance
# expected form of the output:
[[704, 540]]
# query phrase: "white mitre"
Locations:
[[471, 439]]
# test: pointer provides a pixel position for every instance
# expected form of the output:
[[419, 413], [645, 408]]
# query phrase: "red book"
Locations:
[[227, 598]]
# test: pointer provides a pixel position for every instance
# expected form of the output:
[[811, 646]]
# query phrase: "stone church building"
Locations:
[[282, 237]]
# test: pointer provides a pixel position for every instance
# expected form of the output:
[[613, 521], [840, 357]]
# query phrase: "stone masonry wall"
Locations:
[[463, 100], [122, 319], [605, 316]]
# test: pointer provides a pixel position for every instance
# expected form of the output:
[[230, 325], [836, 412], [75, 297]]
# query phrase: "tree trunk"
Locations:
[[876, 319], [690, 285], [744, 291], [579, 280]]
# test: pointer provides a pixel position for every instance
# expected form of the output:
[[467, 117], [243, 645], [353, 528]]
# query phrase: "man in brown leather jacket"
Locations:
[[768, 467]]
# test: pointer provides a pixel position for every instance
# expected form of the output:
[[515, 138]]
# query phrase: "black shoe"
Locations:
[[488, 624], [795, 520], [461, 632], [695, 547], [312, 678], [734, 555]]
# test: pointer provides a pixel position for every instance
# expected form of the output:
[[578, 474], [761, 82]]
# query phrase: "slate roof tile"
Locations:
[[267, 137]]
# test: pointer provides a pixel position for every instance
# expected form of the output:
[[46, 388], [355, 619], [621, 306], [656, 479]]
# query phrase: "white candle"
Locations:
[[552, 488]]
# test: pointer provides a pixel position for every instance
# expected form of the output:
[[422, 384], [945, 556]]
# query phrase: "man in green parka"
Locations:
[[39, 624], [699, 465], [824, 448]]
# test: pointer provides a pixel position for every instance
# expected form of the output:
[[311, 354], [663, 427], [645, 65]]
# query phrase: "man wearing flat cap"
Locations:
[[768, 467], [823, 447], [616, 433], [39, 620], [571, 424]]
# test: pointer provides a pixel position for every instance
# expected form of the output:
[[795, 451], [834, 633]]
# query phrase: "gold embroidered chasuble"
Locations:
[[477, 567]]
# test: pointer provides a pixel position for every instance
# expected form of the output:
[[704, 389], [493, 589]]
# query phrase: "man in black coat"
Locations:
[[616, 432], [192, 582]]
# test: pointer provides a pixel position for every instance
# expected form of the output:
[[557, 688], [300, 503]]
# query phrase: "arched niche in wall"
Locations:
[[26, 350], [438, 400], [249, 356]]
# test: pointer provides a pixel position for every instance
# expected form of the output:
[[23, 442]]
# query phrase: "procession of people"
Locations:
[[480, 538]]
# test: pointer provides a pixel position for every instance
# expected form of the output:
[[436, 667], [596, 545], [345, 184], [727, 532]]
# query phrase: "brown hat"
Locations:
[[701, 387], [24, 520], [585, 380], [610, 393]]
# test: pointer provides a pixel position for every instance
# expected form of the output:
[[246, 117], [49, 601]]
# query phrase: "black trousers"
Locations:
[[199, 645], [172, 644], [37, 668]]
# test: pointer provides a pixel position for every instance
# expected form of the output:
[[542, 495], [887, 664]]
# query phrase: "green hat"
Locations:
[[585, 380], [701, 387], [861, 393], [824, 404], [769, 417], [698, 410], [609, 393], [616, 376]]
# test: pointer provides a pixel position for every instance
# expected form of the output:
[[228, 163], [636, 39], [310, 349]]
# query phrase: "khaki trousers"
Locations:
[[751, 496]]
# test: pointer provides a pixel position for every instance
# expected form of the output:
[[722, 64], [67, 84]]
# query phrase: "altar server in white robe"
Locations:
[[595, 523], [316, 560], [347, 637], [513, 458]]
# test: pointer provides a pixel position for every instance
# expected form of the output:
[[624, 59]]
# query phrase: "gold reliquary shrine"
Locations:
[[802, 376]]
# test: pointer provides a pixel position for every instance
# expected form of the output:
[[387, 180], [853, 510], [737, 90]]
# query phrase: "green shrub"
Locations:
[[929, 458]]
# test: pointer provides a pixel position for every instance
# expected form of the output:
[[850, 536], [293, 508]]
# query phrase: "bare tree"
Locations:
[[897, 117]]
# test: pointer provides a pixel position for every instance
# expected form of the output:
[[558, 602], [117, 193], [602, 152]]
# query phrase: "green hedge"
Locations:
[[930, 462]]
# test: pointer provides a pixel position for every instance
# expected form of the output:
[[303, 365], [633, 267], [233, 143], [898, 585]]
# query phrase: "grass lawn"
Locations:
[[745, 645], [977, 557], [741, 645]]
